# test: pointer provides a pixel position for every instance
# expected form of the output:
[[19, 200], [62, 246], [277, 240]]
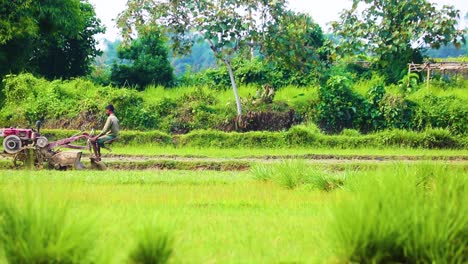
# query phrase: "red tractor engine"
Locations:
[[17, 138]]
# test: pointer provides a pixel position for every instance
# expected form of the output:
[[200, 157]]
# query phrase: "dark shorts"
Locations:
[[101, 140]]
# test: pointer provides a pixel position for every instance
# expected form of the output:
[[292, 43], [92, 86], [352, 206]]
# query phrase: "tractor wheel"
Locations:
[[12, 144]]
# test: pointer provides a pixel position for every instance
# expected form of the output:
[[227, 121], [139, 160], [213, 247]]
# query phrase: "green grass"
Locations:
[[215, 217], [155, 150], [293, 174], [231, 217], [402, 215], [153, 245], [33, 230]]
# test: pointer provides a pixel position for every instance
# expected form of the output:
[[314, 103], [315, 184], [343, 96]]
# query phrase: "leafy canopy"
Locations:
[[143, 62], [227, 25], [396, 31], [54, 39], [295, 42]]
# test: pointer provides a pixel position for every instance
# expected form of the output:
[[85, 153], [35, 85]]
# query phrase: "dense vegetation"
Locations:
[[54, 39], [363, 105]]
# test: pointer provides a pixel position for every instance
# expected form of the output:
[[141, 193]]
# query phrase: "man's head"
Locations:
[[109, 109]]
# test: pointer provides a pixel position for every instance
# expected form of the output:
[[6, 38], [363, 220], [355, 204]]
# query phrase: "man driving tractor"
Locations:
[[109, 133]]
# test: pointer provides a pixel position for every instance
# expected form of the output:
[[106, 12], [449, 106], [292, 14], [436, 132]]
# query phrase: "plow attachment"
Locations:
[[66, 160], [30, 157]]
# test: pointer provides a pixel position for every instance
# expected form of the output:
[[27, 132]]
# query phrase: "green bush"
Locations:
[[250, 72], [153, 246], [448, 112], [34, 231], [292, 174], [402, 214], [397, 111], [339, 106]]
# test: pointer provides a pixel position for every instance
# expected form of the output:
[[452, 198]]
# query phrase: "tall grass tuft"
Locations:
[[36, 231], [292, 174], [153, 246], [261, 172], [406, 214]]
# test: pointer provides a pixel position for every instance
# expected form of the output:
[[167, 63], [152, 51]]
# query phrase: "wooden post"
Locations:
[[409, 74], [428, 76]]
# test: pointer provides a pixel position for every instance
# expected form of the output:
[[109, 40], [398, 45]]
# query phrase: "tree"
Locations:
[[143, 62], [58, 39], [15, 20], [295, 43], [228, 26], [396, 32]]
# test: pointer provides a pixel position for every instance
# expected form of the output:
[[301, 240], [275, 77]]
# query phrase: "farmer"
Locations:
[[109, 132]]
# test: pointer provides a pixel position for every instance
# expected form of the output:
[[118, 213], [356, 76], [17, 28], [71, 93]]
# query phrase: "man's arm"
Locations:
[[106, 128]]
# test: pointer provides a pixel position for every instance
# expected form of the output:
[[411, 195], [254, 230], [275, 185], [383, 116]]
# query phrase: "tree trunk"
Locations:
[[234, 87]]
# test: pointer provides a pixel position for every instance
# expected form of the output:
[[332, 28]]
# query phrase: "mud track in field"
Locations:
[[275, 158], [333, 162], [336, 162]]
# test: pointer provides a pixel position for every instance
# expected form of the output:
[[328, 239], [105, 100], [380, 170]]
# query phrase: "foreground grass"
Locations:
[[281, 214], [213, 217], [155, 150]]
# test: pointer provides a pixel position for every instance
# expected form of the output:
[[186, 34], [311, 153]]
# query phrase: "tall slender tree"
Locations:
[[228, 26]]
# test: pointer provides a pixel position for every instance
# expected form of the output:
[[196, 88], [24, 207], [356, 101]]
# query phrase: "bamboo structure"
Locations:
[[444, 67]]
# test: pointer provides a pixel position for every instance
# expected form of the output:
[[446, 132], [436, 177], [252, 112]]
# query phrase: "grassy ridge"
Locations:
[[299, 136]]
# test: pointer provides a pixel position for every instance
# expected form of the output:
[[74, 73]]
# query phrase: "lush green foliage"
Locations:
[[15, 20], [338, 105], [402, 214], [257, 71], [143, 62], [54, 39], [233, 29], [396, 31], [366, 106], [295, 43], [37, 231]]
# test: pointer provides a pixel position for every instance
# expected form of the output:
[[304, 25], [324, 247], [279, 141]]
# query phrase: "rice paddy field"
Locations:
[[292, 210]]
